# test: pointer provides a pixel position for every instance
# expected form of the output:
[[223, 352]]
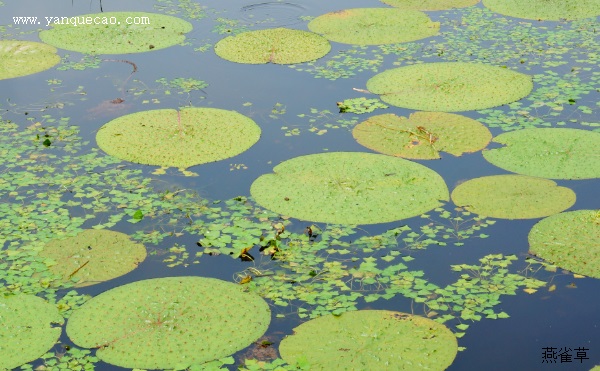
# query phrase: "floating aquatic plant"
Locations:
[[373, 26], [21, 58], [552, 10], [360, 105], [430, 4]]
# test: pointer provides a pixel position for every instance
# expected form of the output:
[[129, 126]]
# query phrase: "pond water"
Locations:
[[510, 310]]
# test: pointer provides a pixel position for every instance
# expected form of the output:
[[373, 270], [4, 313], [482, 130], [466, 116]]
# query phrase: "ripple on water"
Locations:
[[273, 13]]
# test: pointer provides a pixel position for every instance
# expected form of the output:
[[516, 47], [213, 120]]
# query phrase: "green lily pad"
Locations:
[[277, 45], [430, 4], [556, 153], [350, 188], [374, 26], [94, 256], [182, 139], [552, 10], [450, 86], [168, 323], [423, 135], [27, 329], [371, 340], [21, 58], [513, 197], [569, 240], [154, 31]]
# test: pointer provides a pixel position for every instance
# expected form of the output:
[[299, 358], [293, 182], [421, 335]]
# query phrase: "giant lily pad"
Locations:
[[168, 323], [94, 256], [278, 45], [350, 188], [27, 329], [374, 26], [513, 197], [20, 58], [448, 87], [116, 32], [183, 138], [553, 10], [569, 240], [371, 340], [556, 153], [430, 4], [423, 135]]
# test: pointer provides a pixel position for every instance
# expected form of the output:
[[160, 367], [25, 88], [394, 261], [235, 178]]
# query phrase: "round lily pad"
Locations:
[[115, 32], [556, 153], [570, 240], [21, 58], [28, 329], [371, 340], [374, 26], [181, 139], [513, 197], [552, 10], [450, 87], [350, 188], [430, 4], [168, 323], [423, 135], [94, 256], [277, 45]]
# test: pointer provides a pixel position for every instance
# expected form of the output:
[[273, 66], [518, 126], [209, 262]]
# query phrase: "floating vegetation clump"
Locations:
[[513, 197], [374, 26], [570, 240], [167, 323], [27, 329], [552, 10], [93, 256], [360, 105], [423, 135], [180, 139], [350, 188], [116, 32], [278, 45], [371, 340], [430, 4], [21, 58], [557, 153], [450, 87]]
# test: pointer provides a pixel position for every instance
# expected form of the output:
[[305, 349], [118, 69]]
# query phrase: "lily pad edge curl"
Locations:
[[21, 58]]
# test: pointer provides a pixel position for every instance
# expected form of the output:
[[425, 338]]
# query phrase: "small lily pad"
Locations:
[[277, 45], [513, 197], [168, 323], [27, 329], [116, 32], [21, 58], [350, 188], [374, 26], [181, 139], [371, 340], [556, 153], [570, 240], [423, 135], [552, 10], [94, 256], [450, 86], [430, 4]]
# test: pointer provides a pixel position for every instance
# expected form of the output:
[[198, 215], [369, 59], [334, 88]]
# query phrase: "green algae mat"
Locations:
[[278, 45], [116, 32], [184, 138], [552, 10], [450, 86], [374, 26], [371, 340], [21, 58], [570, 240], [423, 135], [556, 153], [167, 323], [430, 4], [94, 256], [350, 188], [27, 329], [513, 197]]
